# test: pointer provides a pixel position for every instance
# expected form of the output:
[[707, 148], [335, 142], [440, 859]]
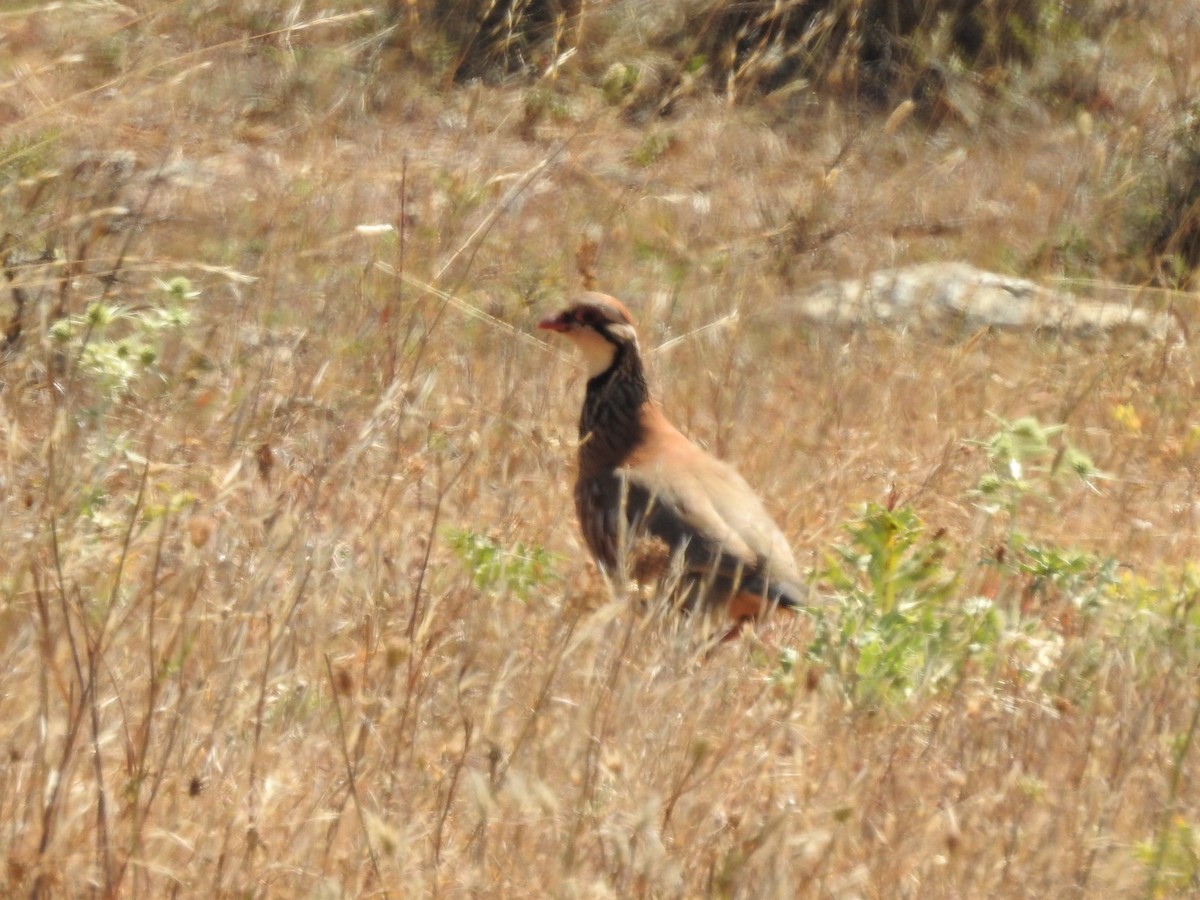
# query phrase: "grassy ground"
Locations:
[[292, 600]]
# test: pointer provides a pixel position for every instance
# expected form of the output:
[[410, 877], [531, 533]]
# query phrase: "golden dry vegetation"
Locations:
[[292, 600]]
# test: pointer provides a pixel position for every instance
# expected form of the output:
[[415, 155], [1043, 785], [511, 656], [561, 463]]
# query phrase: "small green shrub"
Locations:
[[899, 629], [903, 623], [1172, 859], [112, 344], [499, 569], [1025, 459]]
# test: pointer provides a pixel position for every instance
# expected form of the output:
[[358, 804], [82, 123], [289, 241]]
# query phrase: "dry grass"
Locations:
[[292, 601]]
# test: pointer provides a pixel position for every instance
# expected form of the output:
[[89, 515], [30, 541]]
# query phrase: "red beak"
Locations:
[[554, 323]]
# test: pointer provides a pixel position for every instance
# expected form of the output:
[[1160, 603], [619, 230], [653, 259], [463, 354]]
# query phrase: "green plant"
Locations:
[[1082, 578], [651, 149], [113, 344], [499, 569], [1025, 458], [1172, 859], [899, 630]]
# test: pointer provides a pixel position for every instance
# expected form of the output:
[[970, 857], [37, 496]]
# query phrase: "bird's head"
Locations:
[[600, 326]]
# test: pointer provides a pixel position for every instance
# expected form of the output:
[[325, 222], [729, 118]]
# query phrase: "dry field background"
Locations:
[[292, 600]]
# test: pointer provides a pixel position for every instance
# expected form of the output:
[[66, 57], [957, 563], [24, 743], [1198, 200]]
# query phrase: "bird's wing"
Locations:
[[745, 514], [694, 497], [677, 507]]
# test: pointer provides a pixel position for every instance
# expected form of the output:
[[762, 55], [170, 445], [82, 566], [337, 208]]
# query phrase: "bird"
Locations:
[[642, 483]]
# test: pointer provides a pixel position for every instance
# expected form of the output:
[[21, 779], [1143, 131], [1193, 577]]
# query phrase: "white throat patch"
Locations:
[[597, 352]]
